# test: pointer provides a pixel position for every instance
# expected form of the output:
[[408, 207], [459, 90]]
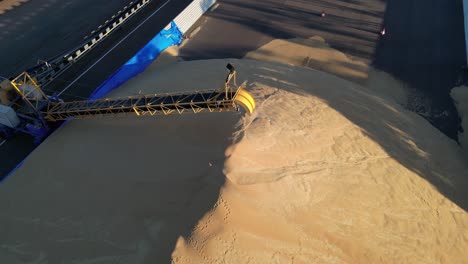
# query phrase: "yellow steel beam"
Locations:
[[171, 103]]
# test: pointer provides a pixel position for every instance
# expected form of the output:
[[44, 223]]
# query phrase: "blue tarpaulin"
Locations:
[[140, 61], [134, 66]]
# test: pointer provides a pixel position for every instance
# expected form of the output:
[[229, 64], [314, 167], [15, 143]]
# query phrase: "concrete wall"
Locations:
[[192, 13], [465, 18]]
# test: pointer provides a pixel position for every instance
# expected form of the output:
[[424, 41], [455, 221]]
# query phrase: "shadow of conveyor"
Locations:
[[124, 191]]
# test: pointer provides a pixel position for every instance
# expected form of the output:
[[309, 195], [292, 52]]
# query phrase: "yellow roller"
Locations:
[[245, 99]]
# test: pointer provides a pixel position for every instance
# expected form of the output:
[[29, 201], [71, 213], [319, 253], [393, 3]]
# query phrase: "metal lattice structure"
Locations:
[[164, 104], [29, 91], [36, 110], [220, 100]]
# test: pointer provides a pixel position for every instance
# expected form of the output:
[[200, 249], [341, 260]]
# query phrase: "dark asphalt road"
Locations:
[[424, 44], [63, 36], [86, 84]]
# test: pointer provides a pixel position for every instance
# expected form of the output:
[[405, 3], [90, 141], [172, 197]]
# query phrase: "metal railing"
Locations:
[[47, 70]]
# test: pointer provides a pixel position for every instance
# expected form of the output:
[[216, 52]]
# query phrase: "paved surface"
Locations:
[[40, 29], [49, 34], [98, 73], [239, 26], [424, 44]]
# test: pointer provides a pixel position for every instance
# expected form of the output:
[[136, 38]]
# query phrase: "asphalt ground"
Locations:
[[424, 45], [51, 35]]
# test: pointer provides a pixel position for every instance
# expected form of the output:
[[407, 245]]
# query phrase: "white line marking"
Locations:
[[2, 142], [117, 44]]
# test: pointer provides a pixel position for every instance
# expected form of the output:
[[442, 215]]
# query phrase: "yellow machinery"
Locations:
[[25, 107], [226, 99], [42, 109]]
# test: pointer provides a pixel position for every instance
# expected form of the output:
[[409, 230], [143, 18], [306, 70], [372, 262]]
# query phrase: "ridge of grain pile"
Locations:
[[324, 171]]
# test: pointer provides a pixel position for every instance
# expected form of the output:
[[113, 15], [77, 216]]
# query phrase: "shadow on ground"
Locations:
[[124, 197], [431, 155], [239, 26], [425, 48]]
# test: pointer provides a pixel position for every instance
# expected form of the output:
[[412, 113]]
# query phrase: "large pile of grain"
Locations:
[[323, 172]]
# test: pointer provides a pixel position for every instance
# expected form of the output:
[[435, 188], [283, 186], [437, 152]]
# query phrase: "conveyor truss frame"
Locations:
[[216, 100]]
